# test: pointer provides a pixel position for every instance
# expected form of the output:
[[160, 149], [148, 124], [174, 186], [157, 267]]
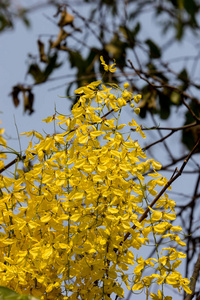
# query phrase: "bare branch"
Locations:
[[194, 278]]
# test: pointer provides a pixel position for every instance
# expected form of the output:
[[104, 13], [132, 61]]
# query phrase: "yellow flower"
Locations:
[[126, 85], [137, 98], [137, 110], [108, 68], [160, 296]]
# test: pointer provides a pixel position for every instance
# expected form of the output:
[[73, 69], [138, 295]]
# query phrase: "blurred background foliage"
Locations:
[[114, 29]]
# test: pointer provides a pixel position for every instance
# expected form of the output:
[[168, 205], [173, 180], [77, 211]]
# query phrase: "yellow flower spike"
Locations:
[[66, 217], [107, 67]]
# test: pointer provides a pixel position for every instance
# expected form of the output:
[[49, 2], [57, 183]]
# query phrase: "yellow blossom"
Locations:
[[107, 67]]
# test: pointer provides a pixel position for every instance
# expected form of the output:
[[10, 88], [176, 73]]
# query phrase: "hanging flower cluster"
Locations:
[[64, 221]]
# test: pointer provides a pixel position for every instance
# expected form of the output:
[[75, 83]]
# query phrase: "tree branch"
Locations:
[[17, 159], [162, 83], [173, 130], [194, 278]]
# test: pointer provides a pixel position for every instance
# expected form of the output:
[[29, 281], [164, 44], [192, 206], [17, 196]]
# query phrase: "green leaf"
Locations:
[[154, 50], [23, 16], [164, 102], [175, 98], [192, 8], [36, 73], [52, 64], [130, 35], [183, 76], [117, 49], [148, 102], [190, 135], [4, 22], [42, 75]]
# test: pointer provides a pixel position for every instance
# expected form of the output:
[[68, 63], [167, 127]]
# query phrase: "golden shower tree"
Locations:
[[74, 222]]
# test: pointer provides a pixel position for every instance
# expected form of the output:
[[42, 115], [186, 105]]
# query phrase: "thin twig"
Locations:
[[17, 159], [162, 83], [159, 141], [173, 130], [164, 142], [191, 111], [170, 128]]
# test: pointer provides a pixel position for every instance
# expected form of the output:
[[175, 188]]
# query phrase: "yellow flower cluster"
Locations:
[[64, 221]]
